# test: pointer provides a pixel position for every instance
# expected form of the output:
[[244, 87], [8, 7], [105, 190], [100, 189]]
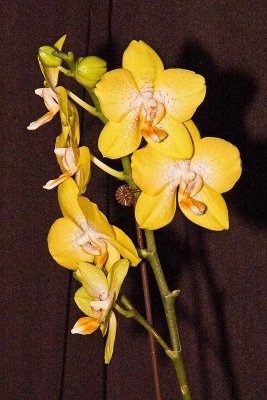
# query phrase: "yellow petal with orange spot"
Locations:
[[118, 139], [116, 92], [143, 62], [95, 218], [216, 215], [178, 143], [181, 91], [154, 212], [151, 170], [62, 244], [85, 326], [218, 162]]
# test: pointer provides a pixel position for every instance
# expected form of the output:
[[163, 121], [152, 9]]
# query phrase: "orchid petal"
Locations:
[[111, 337], [181, 91], [216, 215], [113, 256], [125, 246], [63, 246], [151, 170], [119, 139], [85, 326], [218, 162], [154, 212], [82, 300], [93, 280], [83, 174], [96, 220], [68, 193], [116, 276], [42, 120], [55, 182], [178, 143], [143, 62], [193, 131], [116, 92]]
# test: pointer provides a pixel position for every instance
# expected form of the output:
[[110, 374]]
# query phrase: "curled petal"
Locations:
[[111, 337], [83, 174], [43, 120], [68, 193], [85, 326], [55, 182], [154, 212], [125, 246]]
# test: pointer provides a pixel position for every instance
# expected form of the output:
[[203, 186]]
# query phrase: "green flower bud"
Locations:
[[88, 70], [47, 58]]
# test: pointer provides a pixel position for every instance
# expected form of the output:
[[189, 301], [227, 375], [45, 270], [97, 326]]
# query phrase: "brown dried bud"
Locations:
[[124, 196]]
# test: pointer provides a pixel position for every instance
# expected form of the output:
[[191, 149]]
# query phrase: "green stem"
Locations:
[[168, 300], [131, 312], [92, 110], [117, 174]]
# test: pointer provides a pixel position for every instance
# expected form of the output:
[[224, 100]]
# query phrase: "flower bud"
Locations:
[[47, 58], [88, 70]]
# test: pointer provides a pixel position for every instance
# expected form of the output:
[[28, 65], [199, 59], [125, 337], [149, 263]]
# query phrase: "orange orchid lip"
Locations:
[[189, 190]]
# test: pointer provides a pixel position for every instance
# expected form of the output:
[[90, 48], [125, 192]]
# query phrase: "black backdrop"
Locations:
[[221, 275]]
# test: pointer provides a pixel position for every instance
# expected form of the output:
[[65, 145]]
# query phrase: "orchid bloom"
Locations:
[[141, 99], [49, 92], [96, 298], [214, 169], [84, 233]]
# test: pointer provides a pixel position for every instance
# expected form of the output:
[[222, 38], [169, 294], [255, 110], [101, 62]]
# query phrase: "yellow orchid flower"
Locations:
[[49, 92], [214, 169], [84, 233], [96, 298], [141, 99]]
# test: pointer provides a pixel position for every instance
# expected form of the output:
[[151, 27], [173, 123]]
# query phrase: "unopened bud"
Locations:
[[47, 58], [88, 70]]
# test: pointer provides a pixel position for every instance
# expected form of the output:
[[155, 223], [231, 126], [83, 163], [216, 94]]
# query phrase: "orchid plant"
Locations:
[[173, 164]]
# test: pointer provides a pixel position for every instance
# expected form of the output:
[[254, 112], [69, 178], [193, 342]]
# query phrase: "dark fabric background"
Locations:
[[221, 274]]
